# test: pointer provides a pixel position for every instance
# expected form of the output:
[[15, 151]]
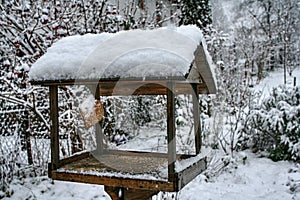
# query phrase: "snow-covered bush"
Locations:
[[6, 173], [9, 161], [274, 124]]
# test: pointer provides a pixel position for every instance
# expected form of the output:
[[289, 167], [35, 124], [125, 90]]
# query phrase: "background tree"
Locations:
[[276, 26], [244, 54], [196, 12]]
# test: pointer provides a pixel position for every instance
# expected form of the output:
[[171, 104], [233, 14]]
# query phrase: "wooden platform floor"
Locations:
[[127, 164], [132, 170]]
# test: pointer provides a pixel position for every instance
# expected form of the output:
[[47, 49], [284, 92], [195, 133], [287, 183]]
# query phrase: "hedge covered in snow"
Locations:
[[274, 124]]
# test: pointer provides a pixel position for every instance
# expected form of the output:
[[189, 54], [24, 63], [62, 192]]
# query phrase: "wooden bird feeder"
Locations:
[[155, 62]]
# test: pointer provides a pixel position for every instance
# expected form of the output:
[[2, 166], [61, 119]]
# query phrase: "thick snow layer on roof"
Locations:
[[65, 57], [160, 52]]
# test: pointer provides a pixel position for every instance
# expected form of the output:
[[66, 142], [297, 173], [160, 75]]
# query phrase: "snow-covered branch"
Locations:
[[26, 104]]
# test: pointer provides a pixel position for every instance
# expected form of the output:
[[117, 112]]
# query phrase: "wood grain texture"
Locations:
[[171, 131], [54, 126]]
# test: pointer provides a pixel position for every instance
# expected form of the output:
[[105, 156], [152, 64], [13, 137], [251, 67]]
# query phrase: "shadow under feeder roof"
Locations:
[[161, 61]]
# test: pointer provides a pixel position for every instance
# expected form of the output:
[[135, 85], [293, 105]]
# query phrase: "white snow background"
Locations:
[[247, 176]]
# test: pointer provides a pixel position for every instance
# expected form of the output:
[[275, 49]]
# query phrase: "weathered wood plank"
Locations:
[[117, 193], [154, 185], [144, 154], [204, 70], [98, 126], [171, 131], [187, 175], [73, 158], [54, 126], [134, 87], [114, 192], [112, 80], [196, 116], [99, 137]]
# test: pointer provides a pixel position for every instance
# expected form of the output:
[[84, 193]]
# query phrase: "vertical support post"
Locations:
[[171, 132], [99, 137], [98, 126], [196, 115], [54, 127]]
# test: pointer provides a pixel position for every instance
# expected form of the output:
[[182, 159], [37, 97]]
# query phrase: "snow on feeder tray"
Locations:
[[164, 61]]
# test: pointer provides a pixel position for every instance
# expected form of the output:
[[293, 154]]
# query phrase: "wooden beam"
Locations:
[[146, 88], [133, 87], [196, 115], [188, 174], [99, 137], [144, 154], [73, 158], [171, 132], [114, 192], [203, 68], [54, 126], [117, 193], [155, 185], [98, 126]]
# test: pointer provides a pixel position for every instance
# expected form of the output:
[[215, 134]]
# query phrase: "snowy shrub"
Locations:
[[9, 154], [6, 173], [231, 104], [275, 124]]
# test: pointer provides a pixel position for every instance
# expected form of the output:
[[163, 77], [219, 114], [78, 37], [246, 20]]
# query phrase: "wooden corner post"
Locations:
[[54, 126], [171, 132], [98, 126], [196, 115]]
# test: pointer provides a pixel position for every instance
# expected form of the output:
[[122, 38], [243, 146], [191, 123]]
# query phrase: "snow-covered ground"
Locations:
[[246, 177], [252, 178], [275, 79]]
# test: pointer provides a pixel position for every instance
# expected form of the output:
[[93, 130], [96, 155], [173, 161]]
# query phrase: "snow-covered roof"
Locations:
[[158, 53]]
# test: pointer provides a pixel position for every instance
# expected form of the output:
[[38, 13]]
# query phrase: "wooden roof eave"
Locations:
[[204, 70], [125, 87]]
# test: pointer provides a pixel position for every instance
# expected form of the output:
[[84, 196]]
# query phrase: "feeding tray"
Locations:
[[138, 170]]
